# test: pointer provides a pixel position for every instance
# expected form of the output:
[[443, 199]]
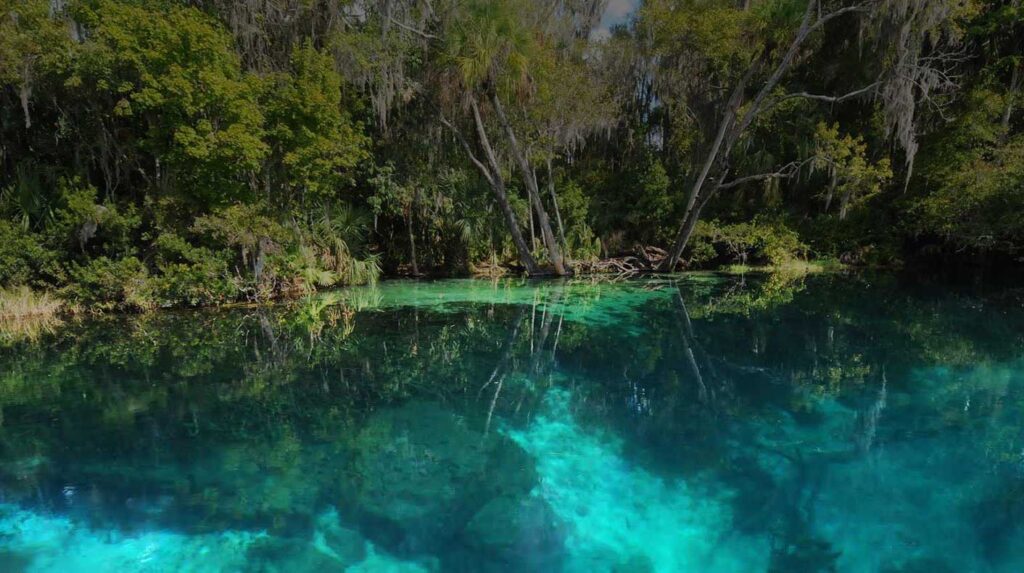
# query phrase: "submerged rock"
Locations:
[[920, 565], [348, 545], [255, 484], [284, 555], [634, 564], [420, 473], [11, 562], [516, 533]]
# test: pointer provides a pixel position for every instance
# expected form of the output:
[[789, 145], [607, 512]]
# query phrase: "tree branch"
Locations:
[[408, 28], [776, 75], [785, 172], [822, 20], [469, 150], [805, 30], [825, 98]]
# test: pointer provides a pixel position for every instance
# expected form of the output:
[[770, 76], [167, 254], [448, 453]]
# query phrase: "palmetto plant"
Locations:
[[328, 246], [489, 38], [25, 200], [310, 273], [493, 49]]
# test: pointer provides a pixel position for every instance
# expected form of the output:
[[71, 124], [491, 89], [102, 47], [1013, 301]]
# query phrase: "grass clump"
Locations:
[[22, 302], [26, 314]]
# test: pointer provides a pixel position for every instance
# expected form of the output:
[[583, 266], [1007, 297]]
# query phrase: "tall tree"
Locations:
[[753, 61], [490, 51]]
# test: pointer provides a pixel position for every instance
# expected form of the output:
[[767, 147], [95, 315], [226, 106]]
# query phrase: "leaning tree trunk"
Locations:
[[562, 267], [412, 245], [1016, 80], [719, 152], [24, 93], [687, 228], [554, 203], [733, 125], [692, 211], [497, 183]]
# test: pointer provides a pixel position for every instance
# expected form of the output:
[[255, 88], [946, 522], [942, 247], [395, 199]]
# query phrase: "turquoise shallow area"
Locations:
[[698, 423], [624, 516]]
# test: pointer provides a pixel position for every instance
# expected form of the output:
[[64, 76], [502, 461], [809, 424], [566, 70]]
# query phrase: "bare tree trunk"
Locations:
[[690, 223], [502, 196], [844, 204], [1015, 81], [543, 221], [492, 173], [732, 126], [533, 232], [412, 243], [833, 181], [554, 201], [689, 218], [24, 93]]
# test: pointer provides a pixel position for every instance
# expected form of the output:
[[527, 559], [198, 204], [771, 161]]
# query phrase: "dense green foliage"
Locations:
[[192, 153], [147, 167]]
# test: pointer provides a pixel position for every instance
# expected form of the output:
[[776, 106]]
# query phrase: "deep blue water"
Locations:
[[696, 423]]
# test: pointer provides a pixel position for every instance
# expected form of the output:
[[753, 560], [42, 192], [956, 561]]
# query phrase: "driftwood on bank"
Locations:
[[642, 259]]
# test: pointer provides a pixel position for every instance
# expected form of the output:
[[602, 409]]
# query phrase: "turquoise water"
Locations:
[[697, 423]]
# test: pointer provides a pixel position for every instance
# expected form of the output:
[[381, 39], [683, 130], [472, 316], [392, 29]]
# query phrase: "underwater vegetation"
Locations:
[[700, 422]]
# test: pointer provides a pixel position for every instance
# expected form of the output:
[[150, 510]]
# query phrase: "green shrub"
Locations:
[[81, 224], [314, 250], [106, 284], [759, 242], [189, 275], [21, 255], [194, 284], [253, 238], [581, 242], [861, 239], [701, 250], [334, 238], [651, 214]]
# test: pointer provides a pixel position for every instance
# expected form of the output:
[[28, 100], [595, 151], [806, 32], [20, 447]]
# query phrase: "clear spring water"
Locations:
[[695, 423]]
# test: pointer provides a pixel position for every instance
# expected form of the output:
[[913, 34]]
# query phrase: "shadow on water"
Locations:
[[684, 423]]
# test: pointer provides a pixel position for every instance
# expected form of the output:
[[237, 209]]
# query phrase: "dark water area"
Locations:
[[698, 422]]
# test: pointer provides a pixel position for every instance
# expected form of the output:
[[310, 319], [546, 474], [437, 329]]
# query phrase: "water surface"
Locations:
[[692, 423]]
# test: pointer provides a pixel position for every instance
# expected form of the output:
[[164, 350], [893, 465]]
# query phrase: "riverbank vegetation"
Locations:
[[180, 153], [22, 302]]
